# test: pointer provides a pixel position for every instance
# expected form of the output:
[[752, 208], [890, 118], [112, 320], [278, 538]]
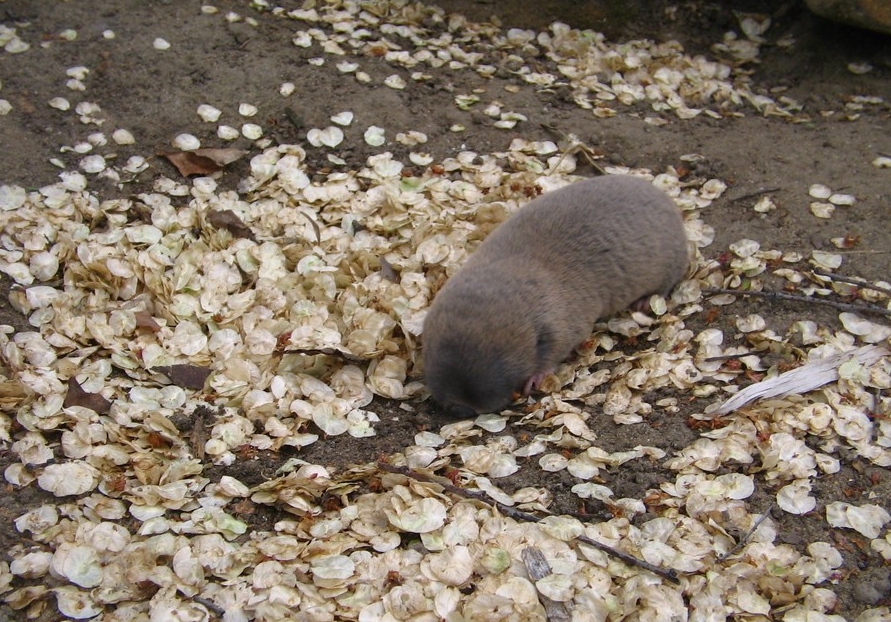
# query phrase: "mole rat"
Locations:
[[534, 288]]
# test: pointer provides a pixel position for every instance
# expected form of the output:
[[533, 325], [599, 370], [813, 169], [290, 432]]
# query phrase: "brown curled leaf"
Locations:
[[202, 161], [229, 220], [145, 320], [76, 396], [185, 376], [189, 163]]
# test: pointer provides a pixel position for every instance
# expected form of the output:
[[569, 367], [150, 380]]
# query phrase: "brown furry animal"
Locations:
[[536, 286]]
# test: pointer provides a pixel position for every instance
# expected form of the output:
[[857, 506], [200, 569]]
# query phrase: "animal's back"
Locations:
[[608, 241]]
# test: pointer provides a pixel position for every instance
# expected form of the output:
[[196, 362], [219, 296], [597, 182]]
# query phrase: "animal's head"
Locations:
[[468, 374]]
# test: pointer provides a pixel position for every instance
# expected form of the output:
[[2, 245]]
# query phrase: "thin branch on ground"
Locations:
[[575, 146], [666, 573], [844, 306], [853, 280], [211, 606], [742, 541], [326, 352], [537, 567], [751, 195], [728, 357]]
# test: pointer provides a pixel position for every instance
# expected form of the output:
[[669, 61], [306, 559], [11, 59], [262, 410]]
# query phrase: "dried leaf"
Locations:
[[538, 568], [800, 380], [145, 320], [190, 163], [202, 161], [228, 220], [76, 396], [185, 376]]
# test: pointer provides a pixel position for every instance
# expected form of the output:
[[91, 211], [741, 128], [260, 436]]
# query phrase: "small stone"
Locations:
[[870, 590]]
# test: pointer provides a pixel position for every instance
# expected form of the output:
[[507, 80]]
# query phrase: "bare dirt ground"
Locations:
[[155, 96]]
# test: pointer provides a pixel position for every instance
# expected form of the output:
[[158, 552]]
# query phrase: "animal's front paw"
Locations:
[[534, 383]]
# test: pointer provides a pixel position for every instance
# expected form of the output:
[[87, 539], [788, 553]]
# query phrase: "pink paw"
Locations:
[[641, 304], [535, 382]]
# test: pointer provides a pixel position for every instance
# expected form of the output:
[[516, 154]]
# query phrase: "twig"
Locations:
[[575, 146], [844, 306], [853, 280], [756, 193], [865, 251], [728, 357], [667, 573], [211, 606], [326, 352], [741, 542], [811, 375], [199, 433], [537, 567]]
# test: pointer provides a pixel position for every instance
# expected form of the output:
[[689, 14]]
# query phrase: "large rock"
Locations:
[[872, 14]]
